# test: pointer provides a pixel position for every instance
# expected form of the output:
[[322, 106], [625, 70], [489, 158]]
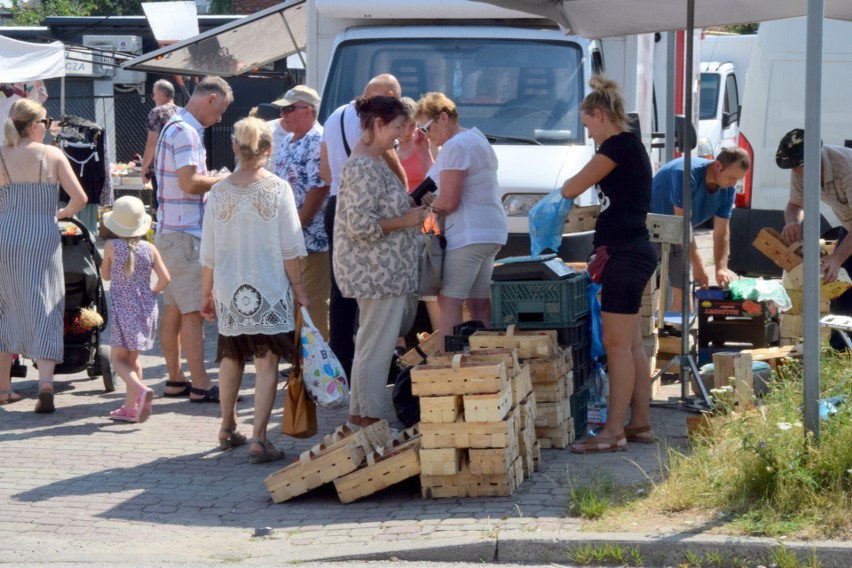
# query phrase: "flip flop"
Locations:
[[592, 446], [143, 402], [633, 436], [209, 395], [177, 384], [45, 403]]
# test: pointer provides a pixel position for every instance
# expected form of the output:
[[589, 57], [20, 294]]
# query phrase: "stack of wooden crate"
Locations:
[[551, 375], [470, 429], [648, 322]]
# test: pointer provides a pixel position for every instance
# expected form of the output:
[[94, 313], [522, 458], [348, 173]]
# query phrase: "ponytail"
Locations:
[[130, 265]]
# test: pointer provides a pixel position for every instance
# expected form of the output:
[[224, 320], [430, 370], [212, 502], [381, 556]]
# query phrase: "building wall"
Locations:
[[252, 6]]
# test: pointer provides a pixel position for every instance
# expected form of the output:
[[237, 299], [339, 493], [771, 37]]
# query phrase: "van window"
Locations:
[[732, 96], [505, 87], [709, 96]]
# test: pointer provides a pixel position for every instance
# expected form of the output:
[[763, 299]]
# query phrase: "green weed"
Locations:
[[605, 555]]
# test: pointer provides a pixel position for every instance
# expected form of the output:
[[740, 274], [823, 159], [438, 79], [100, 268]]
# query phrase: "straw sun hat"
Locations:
[[128, 218]]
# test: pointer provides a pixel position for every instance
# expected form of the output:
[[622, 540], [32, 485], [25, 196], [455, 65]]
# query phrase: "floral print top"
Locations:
[[298, 163], [248, 233], [367, 262]]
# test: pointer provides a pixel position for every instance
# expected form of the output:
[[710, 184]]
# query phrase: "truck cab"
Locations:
[[719, 108]]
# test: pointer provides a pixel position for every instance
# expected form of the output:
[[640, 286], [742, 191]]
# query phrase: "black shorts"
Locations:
[[625, 277]]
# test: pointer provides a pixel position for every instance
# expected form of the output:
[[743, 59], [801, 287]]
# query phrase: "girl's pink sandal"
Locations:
[[124, 414]]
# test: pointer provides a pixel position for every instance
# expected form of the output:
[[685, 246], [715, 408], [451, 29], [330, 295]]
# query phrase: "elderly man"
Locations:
[[341, 132], [298, 162], [163, 94], [181, 170], [713, 195]]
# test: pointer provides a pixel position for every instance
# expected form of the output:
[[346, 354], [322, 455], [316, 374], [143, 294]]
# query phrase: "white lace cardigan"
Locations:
[[247, 234]]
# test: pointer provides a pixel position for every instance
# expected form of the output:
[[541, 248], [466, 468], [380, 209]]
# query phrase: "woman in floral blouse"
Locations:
[[375, 261], [251, 243]]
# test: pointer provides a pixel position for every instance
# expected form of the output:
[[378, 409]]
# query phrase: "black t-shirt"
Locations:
[[625, 192]]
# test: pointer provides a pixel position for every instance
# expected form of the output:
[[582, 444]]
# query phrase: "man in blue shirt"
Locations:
[[713, 194]]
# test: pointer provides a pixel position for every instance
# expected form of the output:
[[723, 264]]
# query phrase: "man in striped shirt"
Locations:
[[182, 182]]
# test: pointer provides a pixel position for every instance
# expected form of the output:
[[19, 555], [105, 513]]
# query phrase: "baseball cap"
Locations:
[[299, 93], [791, 150]]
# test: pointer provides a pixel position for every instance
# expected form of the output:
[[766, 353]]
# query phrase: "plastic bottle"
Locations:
[[598, 397]]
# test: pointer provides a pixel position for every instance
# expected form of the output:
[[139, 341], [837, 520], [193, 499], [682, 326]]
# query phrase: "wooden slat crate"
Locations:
[[521, 385], [770, 243], [581, 219], [553, 392], [537, 343], [428, 344], [491, 407], [491, 461], [552, 414], [536, 456], [527, 444], [548, 369], [339, 454], [529, 410], [394, 466], [441, 409], [557, 437], [441, 461], [519, 375], [458, 378], [469, 434], [466, 484]]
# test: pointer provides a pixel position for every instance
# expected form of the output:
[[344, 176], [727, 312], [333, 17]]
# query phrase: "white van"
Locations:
[[718, 108], [774, 103]]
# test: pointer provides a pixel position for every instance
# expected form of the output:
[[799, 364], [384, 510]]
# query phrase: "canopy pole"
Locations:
[[62, 97], [670, 95], [812, 185]]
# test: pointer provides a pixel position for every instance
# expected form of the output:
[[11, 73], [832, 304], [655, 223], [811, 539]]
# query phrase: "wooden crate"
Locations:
[[553, 392], [339, 453], [536, 456], [651, 343], [556, 437], [739, 367], [491, 407], [581, 219], [441, 409], [386, 469], [466, 484], [458, 378], [429, 344], [469, 434], [536, 343], [441, 461], [548, 369], [552, 414], [649, 304], [526, 447], [508, 356], [528, 411], [770, 243], [773, 355], [521, 385], [491, 461]]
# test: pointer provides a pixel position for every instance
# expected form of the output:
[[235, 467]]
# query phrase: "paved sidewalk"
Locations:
[[75, 487]]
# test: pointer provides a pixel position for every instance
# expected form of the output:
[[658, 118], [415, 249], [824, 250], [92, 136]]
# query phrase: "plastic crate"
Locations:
[[582, 374], [456, 343], [540, 304], [579, 404]]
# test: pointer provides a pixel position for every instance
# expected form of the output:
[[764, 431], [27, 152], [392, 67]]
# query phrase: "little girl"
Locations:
[[128, 261]]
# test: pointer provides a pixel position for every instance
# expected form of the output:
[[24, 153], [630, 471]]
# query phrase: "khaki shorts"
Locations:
[[181, 255], [467, 271]]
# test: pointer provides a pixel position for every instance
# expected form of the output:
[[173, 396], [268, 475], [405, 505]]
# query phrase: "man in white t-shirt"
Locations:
[[334, 151]]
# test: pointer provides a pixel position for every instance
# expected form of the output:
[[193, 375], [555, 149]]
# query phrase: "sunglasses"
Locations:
[[45, 121], [292, 108], [424, 129]]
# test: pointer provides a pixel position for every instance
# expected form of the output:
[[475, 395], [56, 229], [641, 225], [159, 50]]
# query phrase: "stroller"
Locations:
[[84, 288]]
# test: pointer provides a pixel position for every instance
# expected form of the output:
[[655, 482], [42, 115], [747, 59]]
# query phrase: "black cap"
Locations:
[[268, 111], [791, 150]]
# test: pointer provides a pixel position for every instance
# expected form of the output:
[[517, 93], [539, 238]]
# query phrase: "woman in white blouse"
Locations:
[[251, 243]]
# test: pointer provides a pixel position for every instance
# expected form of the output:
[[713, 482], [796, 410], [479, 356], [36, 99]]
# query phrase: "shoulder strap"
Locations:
[[343, 134], [41, 161], [5, 169]]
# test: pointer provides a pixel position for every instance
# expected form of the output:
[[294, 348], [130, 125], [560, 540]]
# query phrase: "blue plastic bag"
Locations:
[[546, 219], [597, 349]]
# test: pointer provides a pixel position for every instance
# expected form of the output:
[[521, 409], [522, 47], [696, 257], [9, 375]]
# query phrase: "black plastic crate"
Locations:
[[757, 334], [579, 405], [583, 374], [455, 343], [540, 304]]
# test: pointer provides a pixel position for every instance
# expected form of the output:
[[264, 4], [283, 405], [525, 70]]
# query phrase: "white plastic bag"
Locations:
[[322, 374]]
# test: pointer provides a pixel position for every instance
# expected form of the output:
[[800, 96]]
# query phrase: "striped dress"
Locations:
[[32, 283]]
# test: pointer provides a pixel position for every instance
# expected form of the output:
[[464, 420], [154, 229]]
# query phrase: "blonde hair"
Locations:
[[130, 265], [410, 106], [253, 138], [606, 97], [23, 113], [433, 104]]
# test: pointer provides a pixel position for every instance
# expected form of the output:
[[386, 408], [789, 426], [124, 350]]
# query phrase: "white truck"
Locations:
[[774, 103], [513, 75]]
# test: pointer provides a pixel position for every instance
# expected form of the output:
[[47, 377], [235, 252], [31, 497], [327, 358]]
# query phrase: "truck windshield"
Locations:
[[518, 91], [709, 100]]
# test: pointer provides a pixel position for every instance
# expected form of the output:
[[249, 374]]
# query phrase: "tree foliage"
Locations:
[[34, 12]]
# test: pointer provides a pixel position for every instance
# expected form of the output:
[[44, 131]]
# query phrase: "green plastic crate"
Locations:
[[540, 304]]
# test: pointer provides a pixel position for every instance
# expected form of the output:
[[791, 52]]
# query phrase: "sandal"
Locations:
[[232, 439], [45, 403], [592, 445], [144, 398], [9, 393], [209, 395], [633, 435], [124, 414], [269, 454], [177, 384]]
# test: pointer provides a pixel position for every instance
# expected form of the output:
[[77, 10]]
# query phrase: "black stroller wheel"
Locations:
[[106, 367]]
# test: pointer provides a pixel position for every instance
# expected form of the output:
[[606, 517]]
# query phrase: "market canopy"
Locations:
[[606, 18], [235, 48], [23, 61]]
